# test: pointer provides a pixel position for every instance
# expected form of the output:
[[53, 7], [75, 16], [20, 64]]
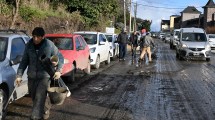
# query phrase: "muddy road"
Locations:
[[167, 89]]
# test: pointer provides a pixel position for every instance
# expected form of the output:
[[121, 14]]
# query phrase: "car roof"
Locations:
[[88, 32], [197, 30], [4, 34], [59, 35], [110, 34]]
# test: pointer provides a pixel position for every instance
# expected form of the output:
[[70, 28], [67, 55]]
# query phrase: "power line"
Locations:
[[160, 7]]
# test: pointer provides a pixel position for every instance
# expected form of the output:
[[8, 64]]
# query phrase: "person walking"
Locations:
[[134, 43], [38, 78], [147, 42], [122, 39]]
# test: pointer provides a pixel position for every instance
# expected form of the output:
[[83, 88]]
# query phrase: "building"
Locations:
[[165, 25], [209, 14], [172, 22]]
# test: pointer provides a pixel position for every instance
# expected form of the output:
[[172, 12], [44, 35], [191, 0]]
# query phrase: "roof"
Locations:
[[59, 35], [2, 34], [197, 30], [190, 9], [88, 32], [210, 3], [163, 22]]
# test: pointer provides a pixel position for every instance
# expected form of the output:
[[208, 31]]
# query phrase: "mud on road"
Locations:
[[167, 89]]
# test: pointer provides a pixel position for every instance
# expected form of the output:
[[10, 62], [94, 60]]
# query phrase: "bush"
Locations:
[[29, 13]]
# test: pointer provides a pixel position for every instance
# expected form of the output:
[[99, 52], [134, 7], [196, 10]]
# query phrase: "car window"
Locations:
[[3, 47], [62, 43], [17, 47], [197, 37], [90, 38], [77, 43], [176, 33], [109, 38], [83, 43], [211, 36], [102, 38]]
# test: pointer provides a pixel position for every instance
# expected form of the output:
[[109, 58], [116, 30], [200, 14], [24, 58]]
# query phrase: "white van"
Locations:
[[99, 47], [193, 43]]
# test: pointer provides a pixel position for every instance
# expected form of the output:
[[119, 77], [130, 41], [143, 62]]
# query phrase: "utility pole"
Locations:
[[130, 17], [124, 16], [135, 16]]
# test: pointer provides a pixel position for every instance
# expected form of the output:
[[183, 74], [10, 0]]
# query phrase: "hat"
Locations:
[[38, 31]]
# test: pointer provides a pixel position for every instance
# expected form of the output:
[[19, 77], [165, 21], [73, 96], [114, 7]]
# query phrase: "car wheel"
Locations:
[[87, 70], [97, 65], [71, 78], [108, 59], [5, 99], [208, 59]]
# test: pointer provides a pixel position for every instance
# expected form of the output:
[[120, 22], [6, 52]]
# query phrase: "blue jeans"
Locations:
[[122, 50]]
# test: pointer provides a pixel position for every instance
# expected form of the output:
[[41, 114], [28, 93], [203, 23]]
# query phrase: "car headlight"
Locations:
[[207, 47], [92, 50], [184, 46]]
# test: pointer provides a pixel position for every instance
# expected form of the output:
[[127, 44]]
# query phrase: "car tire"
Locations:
[[108, 59], [5, 99], [208, 59], [87, 70], [97, 65], [71, 78]]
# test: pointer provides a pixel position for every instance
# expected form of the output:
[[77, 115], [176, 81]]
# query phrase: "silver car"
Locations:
[[193, 43], [114, 47], [12, 46]]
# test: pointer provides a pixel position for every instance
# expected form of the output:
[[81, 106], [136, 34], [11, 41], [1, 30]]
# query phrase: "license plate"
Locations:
[[195, 54]]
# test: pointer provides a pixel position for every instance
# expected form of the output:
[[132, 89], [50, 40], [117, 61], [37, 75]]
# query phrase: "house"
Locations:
[[165, 25], [172, 22], [209, 14]]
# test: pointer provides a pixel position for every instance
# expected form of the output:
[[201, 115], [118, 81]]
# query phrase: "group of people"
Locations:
[[145, 43]]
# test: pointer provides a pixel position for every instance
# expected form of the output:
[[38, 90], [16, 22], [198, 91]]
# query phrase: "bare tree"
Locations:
[[15, 14]]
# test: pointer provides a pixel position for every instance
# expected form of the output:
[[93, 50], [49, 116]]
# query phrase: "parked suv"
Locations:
[[114, 47], [193, 43], [99, 47], [211, 39], [75, 52], [12, 46], [173, 39]]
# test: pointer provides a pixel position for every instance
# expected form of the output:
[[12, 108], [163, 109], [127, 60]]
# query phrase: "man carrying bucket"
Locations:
[[38, 78]]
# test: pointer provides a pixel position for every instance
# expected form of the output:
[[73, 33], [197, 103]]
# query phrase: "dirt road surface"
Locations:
[[167, 89]]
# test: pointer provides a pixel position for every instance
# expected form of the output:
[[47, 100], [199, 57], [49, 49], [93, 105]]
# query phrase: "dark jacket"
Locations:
[[122, 38], [134, 40], [31, 59]]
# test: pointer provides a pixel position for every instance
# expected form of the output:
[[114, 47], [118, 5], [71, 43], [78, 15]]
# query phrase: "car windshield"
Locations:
[[197, 37], [90, 38], [176, 33], [3, 48], [109, 38], [62, 43]]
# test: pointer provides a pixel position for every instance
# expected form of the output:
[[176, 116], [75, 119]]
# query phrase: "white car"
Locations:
[[173, 39], [193, 43], [211, 38], [99, 47], [114, 47], [12, 46]]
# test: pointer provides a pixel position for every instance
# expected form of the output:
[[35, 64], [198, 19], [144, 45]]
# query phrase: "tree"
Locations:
[[16, 13]]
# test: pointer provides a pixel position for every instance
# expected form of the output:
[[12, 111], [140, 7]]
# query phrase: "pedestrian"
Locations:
[[38, 78], [122, 39], [147, 42], [134, 43]]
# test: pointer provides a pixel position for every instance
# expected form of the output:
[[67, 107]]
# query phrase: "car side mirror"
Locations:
[[16, 60]]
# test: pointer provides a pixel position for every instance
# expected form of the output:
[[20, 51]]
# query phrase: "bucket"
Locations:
[[57, 95]]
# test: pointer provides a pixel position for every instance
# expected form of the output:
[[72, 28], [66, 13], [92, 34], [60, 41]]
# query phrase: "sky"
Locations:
[[156, 10]]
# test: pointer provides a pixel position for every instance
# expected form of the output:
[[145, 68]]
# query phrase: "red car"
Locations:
[[75, 51]]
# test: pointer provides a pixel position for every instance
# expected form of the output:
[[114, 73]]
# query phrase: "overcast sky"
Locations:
[[156, 10]]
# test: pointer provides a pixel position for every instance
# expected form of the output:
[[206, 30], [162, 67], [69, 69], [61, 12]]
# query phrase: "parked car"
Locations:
[[211, 39], [161, 36], [75, 52], [99, 47], [193, 43], [173, 39], [167, 37], [114, 47], [12, 46]]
